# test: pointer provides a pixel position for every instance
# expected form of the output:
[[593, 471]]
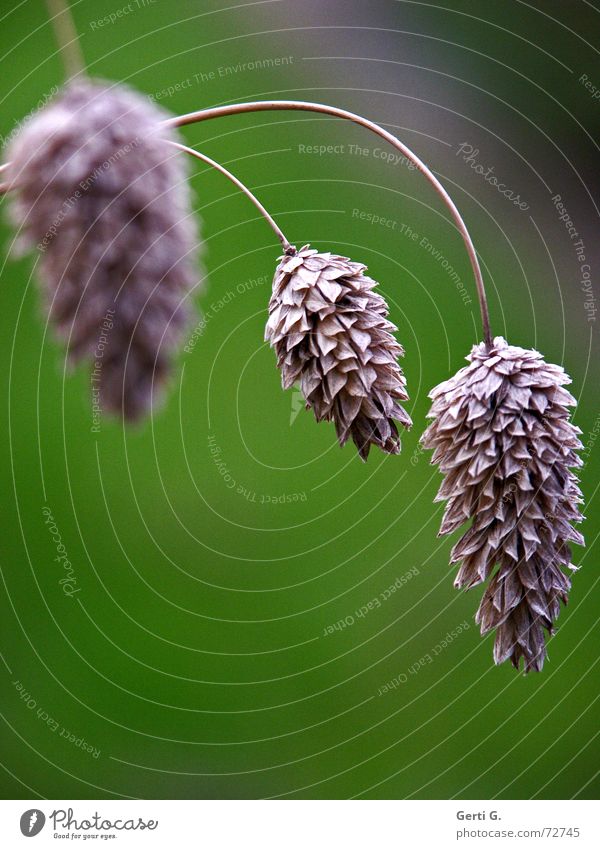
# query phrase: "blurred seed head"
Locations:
[[105, 199], [502, 437], [331, 335]]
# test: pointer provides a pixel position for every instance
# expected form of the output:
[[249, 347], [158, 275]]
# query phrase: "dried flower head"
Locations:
[[330, 333], [503, 439], [105, 199]]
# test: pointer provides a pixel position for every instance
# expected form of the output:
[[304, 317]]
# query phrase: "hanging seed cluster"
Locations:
[[330, 331], [107, 203], [501, 436]]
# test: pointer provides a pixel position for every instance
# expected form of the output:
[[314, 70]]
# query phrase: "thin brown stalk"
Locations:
[[271, 105], [66, 37], [203, 158]]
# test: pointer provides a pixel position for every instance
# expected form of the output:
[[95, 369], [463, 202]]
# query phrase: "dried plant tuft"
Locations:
[[502, 437], [330, 332], [105, 200]]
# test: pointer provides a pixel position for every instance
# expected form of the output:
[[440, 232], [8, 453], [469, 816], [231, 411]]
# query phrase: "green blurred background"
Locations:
[[194, 660]]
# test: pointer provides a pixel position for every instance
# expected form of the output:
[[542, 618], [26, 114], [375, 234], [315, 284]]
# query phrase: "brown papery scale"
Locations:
[[330, 331], [502, 437]]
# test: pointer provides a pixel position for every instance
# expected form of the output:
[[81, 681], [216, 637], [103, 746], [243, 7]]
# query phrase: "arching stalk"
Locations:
[[66, 37], [203, 158], [272, 105]]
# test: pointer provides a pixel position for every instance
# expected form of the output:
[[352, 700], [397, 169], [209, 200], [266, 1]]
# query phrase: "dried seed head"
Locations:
[[105, 199], [503, 439], [330, 333]]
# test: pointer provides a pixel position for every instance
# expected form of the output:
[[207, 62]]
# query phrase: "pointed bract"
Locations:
[[501, 435], [330, 332]]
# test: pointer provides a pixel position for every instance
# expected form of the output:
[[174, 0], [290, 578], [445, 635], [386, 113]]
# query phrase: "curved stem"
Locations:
[[66, 37], [204, 158], [270, 105]]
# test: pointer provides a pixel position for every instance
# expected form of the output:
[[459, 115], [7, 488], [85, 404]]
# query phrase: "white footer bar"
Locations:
[[302, 824]]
